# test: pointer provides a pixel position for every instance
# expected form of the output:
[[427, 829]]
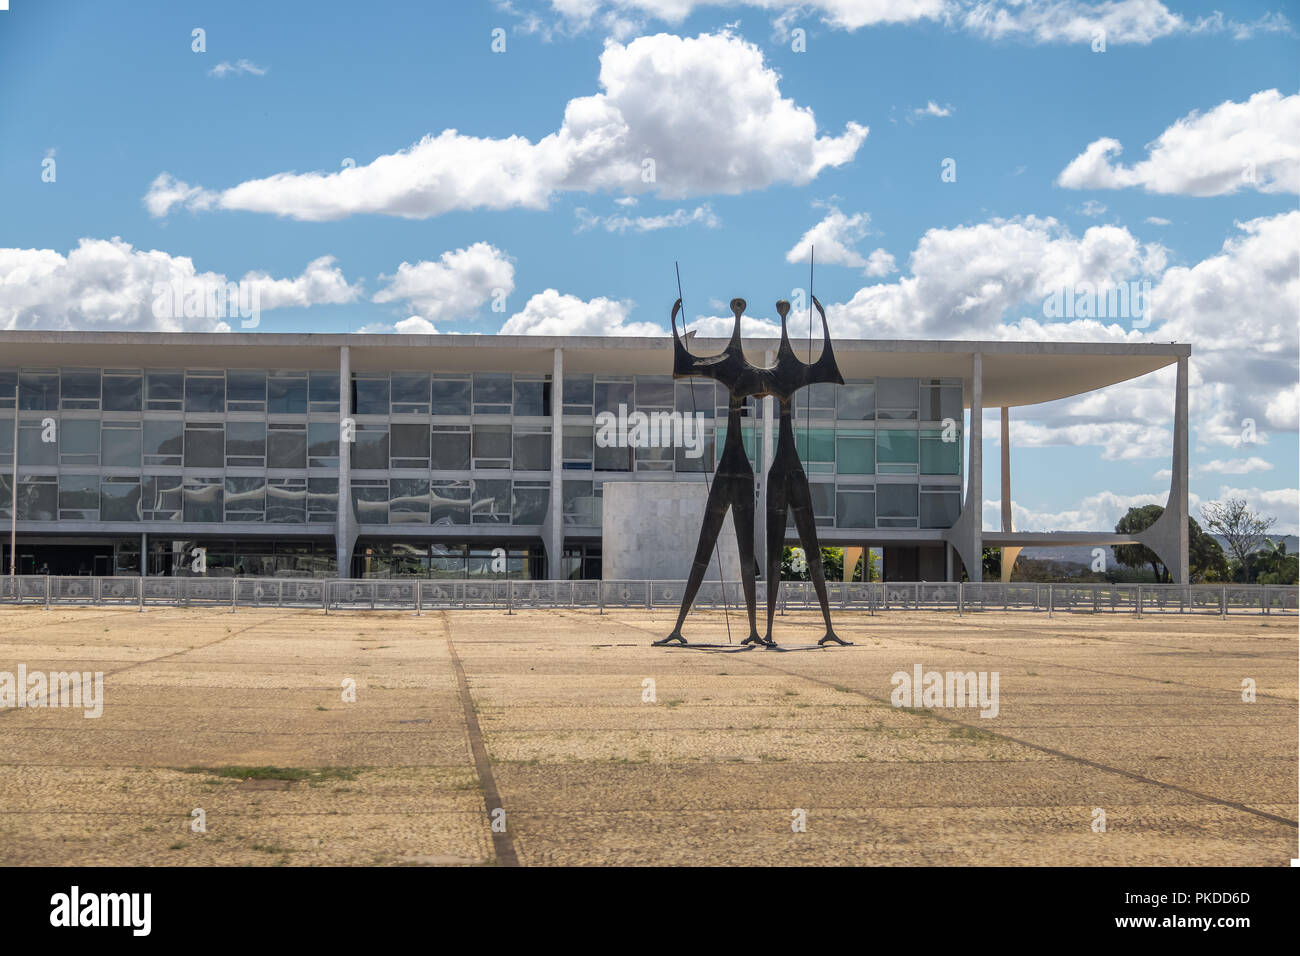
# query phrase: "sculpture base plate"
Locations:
[[738, 648], [728, 648]]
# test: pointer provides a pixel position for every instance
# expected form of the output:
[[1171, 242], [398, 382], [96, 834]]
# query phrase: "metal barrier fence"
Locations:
[[419, 594]]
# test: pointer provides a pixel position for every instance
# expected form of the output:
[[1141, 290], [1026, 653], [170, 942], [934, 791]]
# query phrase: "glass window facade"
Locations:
[[249, 446]]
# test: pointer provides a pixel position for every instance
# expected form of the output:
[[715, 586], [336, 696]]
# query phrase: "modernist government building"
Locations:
[[133, 450]]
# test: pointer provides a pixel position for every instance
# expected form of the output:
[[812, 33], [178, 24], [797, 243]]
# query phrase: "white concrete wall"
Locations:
[[651, 528]]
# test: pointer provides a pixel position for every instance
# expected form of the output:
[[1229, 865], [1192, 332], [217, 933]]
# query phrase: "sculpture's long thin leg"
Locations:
[[801, 506], [742, 513], [776, 518], [715, 512]]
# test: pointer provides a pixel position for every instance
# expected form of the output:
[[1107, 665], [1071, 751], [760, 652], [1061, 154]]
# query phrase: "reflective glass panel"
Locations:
[[324, 391], [896, 447], [245, 498], [370, 500], [286, 446], [161, 497], [451, 447], [855, 510], [203, 499], [492, 442], [286, 393], [246, 390], [493, 393], [531, 501], [205, 445], [122, 393], [245, 445], [205, 393], [119, 499], [322, 499], [120, 445], [451, 395], [532, 450], [79, 497], [322, 444], [856, 402], [38, 391], [409, 446], [370, 450], [164, 440], [410, 393], [491, 500], [939, 457], [80, 387], [940, 510], [449, 502], [532, 398], [370, 396], [79, 441], [408, 501], [164, 389], [896, 501]]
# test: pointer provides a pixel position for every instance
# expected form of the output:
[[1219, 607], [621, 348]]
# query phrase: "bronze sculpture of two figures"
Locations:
[[733, 483]]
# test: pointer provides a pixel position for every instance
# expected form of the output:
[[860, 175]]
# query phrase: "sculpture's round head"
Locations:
[[738, 307], [782, 308]]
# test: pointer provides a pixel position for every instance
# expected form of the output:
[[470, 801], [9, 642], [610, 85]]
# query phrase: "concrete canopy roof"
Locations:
[[1015, 373]]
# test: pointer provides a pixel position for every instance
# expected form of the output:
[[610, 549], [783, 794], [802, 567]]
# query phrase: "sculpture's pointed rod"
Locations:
[[812, 252], [708, 486]]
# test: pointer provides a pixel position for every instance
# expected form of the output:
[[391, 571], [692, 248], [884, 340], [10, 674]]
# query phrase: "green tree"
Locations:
[[872, 569], [1243, 529], [832, 565], [991, 560], [1205, 558], [1275, 565], [1139, 555]]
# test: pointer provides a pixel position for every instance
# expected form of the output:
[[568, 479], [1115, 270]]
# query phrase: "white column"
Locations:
[[967, 533], [13, 492], [975, 475], [1009, 555], [343, 530], [555, 527], [1178, 493], [1168, 537]]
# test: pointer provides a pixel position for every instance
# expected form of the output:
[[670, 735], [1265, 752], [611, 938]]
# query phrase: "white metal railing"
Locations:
[[421, 593]]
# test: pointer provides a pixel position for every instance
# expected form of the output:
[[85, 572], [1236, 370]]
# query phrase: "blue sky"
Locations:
[[847, 136]]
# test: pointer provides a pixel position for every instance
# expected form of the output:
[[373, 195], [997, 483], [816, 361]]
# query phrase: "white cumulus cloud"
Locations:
[[964, 280], [1234, 146], [554, 313], [107, 285], [1234, 466], [833, 239], [1033, 21], [454, 286], [677, 117]]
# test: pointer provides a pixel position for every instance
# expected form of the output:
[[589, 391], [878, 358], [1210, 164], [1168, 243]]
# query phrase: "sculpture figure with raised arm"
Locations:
[[733, 482], [787, 482]]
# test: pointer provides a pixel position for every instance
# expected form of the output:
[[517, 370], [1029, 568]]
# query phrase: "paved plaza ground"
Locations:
[[546, 715]]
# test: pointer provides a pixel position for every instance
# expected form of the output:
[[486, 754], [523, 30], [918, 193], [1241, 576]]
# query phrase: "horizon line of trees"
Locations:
[[1251, 556]]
